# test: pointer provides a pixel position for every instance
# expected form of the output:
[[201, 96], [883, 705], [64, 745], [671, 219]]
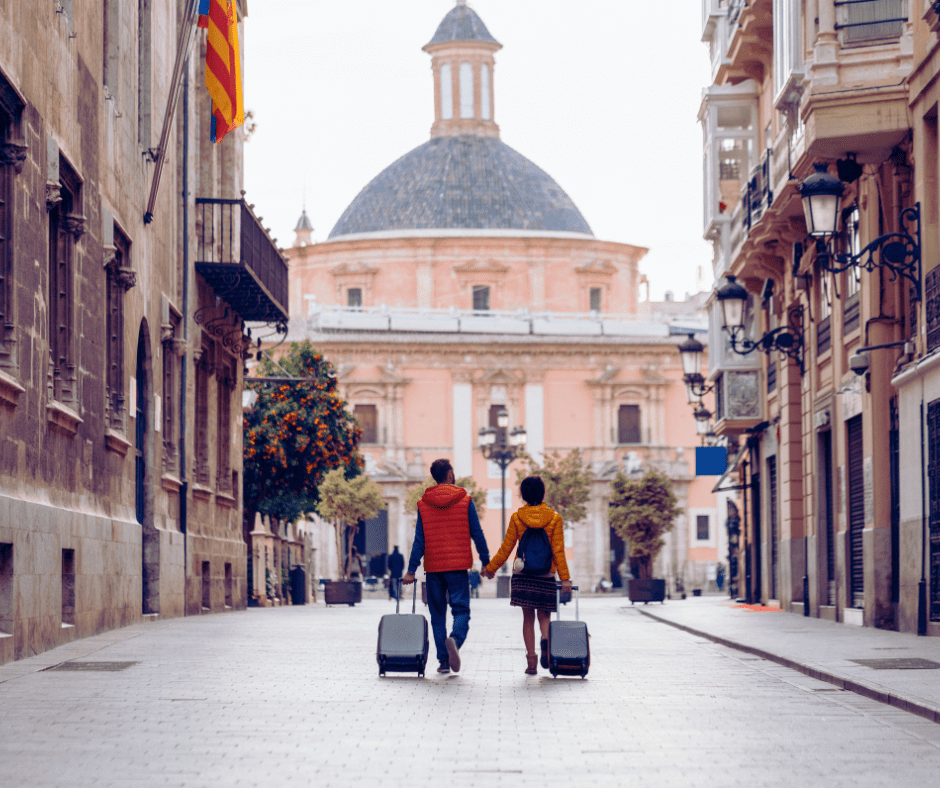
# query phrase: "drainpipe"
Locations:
[[922, 585], [184, 488]]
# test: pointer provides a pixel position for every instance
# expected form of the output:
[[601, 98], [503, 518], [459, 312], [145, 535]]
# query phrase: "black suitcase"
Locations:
[[569, 653], [403, 640]]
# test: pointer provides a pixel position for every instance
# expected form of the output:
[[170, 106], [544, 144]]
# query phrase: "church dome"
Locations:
[[462, 182], [465, 177]]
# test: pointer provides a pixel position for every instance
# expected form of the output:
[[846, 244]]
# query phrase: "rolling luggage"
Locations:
[[403, 640], [569, 653]]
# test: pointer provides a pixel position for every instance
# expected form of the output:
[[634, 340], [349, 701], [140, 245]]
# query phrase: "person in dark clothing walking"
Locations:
[[396, 565], [447, 521]]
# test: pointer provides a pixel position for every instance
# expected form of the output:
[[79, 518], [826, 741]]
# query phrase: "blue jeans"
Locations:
[[457, 584]]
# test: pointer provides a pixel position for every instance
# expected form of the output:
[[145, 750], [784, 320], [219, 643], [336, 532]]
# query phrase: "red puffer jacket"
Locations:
[[443, 510]]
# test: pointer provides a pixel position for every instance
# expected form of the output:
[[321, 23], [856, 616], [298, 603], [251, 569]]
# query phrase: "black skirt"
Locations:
[[534, 592]]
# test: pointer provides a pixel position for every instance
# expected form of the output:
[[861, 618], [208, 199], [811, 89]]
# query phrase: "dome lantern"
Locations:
[[462, 62]]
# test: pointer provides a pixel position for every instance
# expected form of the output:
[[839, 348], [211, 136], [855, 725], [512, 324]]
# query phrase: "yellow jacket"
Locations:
[[540, 516]]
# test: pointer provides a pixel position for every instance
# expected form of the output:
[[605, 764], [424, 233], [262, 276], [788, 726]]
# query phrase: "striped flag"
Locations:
[[223, 69], [203, 13]]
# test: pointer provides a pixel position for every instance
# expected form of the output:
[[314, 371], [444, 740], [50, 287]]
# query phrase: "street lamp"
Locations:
[[702, 422], [785, 339], [495, 446], [690, 352], [899, 251]]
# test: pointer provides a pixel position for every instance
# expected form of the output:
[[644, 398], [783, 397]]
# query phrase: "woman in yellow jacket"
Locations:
[[535, 594]]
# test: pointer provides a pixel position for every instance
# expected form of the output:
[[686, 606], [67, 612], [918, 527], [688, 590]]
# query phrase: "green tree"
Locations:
[[478, 496], [641, 511], [297, 431], [567, 482], [345, 502]]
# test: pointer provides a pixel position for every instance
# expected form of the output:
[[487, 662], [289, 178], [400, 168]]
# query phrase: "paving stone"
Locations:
[[291, 696]]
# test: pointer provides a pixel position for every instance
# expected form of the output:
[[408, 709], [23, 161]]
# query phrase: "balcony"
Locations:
[[238, 259]]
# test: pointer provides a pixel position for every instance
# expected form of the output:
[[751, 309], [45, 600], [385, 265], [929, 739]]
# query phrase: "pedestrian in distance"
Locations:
[[354, 566], [396, 565], [539, 531], [447, 522], [474, 583]]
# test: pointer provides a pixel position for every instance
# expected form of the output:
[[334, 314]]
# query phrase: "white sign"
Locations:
[[493, 499]]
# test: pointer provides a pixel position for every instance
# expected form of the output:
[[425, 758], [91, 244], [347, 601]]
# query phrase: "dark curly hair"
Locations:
[[440, 469]]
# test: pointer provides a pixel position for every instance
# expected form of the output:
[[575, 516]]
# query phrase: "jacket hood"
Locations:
[[441, 496], [536, 516]]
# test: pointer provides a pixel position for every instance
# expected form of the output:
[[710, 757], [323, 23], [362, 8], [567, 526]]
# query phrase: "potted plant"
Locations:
[[345, 503], [641, 511]]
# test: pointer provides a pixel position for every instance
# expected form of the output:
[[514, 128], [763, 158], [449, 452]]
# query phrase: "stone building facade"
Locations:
[[832, 451], [463, 280], [121, 351]]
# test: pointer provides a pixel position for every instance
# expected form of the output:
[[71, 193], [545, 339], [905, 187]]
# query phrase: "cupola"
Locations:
[[462, 52], [303, 232]]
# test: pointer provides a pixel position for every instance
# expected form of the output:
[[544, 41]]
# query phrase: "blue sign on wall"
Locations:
[[710, 460]]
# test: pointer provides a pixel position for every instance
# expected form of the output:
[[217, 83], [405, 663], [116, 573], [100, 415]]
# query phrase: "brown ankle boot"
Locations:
[[533, 661]]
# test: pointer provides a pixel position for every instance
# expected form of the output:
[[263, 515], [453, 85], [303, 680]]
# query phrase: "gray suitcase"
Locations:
[[403, 640], [569, 653]]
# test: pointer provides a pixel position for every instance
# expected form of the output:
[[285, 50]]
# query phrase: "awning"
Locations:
[[732, 467]]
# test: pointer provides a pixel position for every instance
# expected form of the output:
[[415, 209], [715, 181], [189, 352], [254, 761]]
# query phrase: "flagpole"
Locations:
[[187, 38]]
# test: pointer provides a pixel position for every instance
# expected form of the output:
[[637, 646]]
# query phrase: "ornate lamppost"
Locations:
[[502, 447]]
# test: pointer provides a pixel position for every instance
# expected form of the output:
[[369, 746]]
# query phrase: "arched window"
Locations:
[[485, 92], [466, 90], [447, 93]]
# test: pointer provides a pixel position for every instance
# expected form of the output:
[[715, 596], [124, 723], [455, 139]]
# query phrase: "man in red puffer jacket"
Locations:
[[447, 521]]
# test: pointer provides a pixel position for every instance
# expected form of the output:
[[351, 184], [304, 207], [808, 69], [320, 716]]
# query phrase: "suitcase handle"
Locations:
[[558, 602], [414, 601]]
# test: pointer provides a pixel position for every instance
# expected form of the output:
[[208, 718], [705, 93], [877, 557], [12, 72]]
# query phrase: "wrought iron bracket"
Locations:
[[785, 339], [899, 251], [696, 384]]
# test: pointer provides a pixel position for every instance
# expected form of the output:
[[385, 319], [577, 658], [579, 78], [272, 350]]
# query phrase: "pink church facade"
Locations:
[[463, 280]]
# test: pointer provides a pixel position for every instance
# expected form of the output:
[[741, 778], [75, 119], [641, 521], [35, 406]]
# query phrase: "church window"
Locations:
[[481, 298], [595, 299], [226, 381], [628, 424], [447, 93], [65, 226], [354, 296], [116, 279], [466, 90], [485, 92], [368, 421]]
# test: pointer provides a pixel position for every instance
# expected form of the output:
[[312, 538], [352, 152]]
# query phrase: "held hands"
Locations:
[[408, 579], [487, 573]]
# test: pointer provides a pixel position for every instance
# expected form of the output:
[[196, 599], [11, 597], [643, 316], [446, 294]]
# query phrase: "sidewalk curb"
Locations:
[[910, 705]]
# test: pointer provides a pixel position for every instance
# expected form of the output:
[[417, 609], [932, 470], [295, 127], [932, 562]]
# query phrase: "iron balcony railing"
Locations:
[[239, 260]]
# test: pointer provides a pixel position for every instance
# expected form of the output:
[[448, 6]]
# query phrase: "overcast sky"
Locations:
[[601, 94]]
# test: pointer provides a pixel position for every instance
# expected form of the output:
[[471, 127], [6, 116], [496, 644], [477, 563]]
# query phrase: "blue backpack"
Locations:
[[536, 552]]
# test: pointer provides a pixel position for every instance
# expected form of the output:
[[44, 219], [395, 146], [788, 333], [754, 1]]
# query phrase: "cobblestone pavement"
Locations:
[[291, 696]]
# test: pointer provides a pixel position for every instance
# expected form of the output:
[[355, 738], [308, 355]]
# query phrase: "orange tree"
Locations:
[[297, 432]]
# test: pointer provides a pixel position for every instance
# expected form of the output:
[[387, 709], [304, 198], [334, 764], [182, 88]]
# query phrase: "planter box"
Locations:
[[650, 590], [342, 592]]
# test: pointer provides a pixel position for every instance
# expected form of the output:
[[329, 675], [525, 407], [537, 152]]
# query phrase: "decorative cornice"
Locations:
[[108, 255], [125, 277], [10, 390]]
